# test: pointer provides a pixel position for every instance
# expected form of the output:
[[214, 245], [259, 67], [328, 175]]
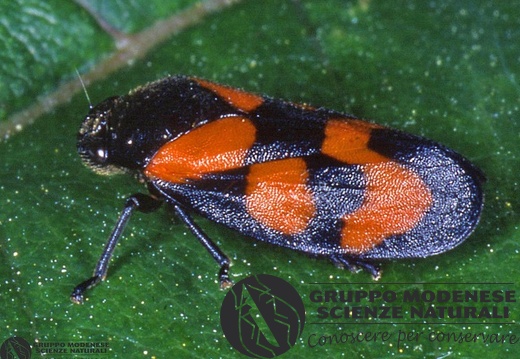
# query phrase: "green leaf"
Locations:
[[445, 70]]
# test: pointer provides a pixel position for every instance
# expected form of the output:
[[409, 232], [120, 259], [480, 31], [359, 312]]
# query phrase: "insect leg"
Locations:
[[352, 264], [141, 202], [210, 246]]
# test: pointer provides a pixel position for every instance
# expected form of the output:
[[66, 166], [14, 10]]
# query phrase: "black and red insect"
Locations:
[[310, 179]]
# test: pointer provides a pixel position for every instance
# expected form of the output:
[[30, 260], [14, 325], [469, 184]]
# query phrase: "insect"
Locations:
[[310, 179]]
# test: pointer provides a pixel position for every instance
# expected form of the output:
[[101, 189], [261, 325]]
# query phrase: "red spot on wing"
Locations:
[[396, 199], [277, 195], [347, 140], [216, 146], [242, 100]]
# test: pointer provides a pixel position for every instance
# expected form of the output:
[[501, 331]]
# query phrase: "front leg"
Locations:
[[140, 202]]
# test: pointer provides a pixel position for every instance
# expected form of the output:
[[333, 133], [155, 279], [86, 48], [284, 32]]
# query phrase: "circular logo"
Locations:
[[15, 347], [262, 316]]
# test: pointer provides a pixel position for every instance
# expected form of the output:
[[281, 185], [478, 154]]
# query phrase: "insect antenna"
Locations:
[[84, 88]]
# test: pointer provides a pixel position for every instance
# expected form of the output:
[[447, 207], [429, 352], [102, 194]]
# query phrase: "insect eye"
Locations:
[[102, 154], [92, 142]]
